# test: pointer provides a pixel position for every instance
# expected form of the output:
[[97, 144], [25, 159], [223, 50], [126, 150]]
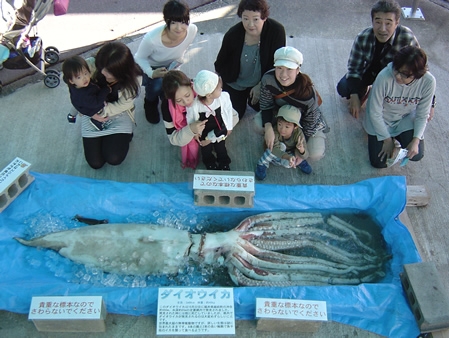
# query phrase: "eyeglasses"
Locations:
[[403, 75]]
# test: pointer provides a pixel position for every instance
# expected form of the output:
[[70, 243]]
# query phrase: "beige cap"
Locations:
[[290, 114]]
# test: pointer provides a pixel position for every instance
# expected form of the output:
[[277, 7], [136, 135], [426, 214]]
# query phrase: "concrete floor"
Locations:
[[33, 125]]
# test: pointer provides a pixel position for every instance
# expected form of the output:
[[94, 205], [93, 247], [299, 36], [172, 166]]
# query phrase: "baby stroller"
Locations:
[[21, 41]]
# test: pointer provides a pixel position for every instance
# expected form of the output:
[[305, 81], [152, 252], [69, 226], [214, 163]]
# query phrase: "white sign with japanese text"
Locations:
[[67, 307], [223, 182], [195, 311], [291, 309]]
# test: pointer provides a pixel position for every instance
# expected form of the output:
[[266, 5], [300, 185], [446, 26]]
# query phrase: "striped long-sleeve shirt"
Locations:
[[311, 117]]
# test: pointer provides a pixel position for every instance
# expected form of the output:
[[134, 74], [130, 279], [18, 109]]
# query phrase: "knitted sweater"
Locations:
[[311, 117]]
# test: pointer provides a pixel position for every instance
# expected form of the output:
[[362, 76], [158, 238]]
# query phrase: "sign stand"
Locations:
[[68, 314], [195, 311]]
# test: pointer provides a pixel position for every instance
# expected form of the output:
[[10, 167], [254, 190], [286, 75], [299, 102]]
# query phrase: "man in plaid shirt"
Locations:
[[372, 50]]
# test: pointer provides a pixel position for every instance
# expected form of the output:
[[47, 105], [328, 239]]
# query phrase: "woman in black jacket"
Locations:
[[247, 53]]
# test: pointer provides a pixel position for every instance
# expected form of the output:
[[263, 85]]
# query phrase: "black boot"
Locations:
[[151, 111]]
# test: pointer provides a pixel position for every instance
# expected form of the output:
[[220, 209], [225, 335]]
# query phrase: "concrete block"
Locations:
[[224, 188], [68, 313], [427, 297], [417, 196], [14, 178], [287, 325]]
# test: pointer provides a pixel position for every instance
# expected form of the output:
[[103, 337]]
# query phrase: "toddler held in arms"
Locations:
[[87, 97]]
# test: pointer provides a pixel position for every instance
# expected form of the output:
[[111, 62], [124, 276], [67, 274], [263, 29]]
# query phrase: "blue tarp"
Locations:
[[380, 307]]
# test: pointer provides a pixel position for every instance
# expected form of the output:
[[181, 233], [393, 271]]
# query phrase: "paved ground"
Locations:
[[33, 125]]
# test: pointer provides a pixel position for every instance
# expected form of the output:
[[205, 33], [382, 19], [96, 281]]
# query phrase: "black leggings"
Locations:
[[110, 149], [222, 154], [375, 147]]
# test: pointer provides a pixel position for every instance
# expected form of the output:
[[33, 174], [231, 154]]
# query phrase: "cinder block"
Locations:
[[224, 188], [426, 295], [417, 196], [68, 313], [220, 198], [288, 325], [14, 178]]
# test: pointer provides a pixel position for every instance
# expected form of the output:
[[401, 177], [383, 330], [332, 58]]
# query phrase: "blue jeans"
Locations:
[[268, 157], [153, 88], [345, 90]]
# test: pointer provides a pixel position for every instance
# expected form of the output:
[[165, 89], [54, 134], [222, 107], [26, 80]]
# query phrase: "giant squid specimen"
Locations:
[[265, 249]]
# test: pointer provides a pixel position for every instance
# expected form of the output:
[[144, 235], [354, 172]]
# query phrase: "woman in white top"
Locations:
[[163, 49]]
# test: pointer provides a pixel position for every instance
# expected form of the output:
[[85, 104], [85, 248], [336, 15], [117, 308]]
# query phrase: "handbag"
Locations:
[[60, 7]]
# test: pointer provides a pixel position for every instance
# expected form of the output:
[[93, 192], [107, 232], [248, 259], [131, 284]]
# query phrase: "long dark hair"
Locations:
[[303, 86], [172, 81], [118, 60]]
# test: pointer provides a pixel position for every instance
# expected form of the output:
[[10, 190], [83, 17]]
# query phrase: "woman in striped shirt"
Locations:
[[115, 66]]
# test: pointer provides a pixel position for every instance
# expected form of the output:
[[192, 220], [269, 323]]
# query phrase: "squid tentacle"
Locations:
[[282, 235], [294, 278], [305, 231], [290, 261], [305, 265], [336, 253], [279, 220], [344, 226], [241, 279]]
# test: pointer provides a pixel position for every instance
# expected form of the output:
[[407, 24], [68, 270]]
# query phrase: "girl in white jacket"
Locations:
[[214, 106]]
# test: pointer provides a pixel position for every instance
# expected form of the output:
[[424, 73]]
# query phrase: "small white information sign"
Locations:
[[291, 309], [223, 182], [66, 307], [195, 311], [12, 171]]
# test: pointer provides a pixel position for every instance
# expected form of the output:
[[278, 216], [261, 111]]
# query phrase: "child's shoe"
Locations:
[[224, 167], [211, 167], [261, 172], [305, 167], [71, 118]]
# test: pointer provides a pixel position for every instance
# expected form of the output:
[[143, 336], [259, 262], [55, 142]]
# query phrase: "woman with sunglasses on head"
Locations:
[[398, 107]]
